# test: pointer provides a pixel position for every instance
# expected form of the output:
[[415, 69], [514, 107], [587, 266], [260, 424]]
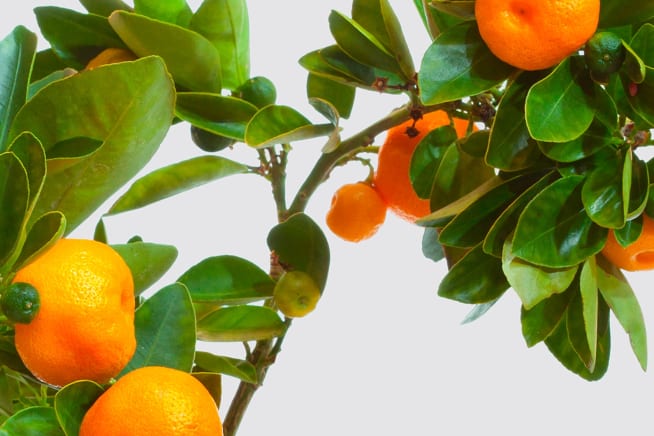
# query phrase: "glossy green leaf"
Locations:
[[240, 324], [276, 124], [300, 244], [29, 151], [505, 224], [379, 19], [510, 147], [459, 64], [590, 142], [339, 95], [17, 51], [613, 13], [227, 280], [606, 110], [640, 100], [104, 7], [554, 229], [476, 143], [75, 37], [457, 175], [630, 232], [360, 44], [147, 261], [541, 320], [577, 334], [171, 11], [471, 225], [14, 197], [486, 284], [70, 152], [225, 23], [223, 115], [625, 306], [533, 283], [45, 231], [560, 108], [333, 63], [633, 66], [32, 421], [427, 157], [589, 299], [641, 43], [241, 369], [193, 61], [72, 401], [117, 99], [165, 330], [602, 192], [635, 184], [174, 179]]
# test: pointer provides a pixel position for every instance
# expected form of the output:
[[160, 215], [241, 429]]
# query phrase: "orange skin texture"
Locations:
[[535, 35], [357, 212], [84, 328], [637, 256], [392, 178], [154, 401]]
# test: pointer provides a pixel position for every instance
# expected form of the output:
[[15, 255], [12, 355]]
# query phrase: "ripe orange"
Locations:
[[534, 35], [357, 211], [153, 401], [636, 256], [392, 176], [84, 328], [110, 55]]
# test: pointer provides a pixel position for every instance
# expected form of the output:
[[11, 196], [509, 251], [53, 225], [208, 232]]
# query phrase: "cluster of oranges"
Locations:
[[82, 328], [358, 210]]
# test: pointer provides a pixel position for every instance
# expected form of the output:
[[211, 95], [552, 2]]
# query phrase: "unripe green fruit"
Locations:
[[20, 303], [259, 91], [604, 54], [296, 294], [208, 141]]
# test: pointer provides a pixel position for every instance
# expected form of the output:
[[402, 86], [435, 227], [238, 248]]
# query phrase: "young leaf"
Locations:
[[554, 229], [165, 330], [17, 50], [147, 261], [72, 401], [590, 304], [104, 7], [223, 280], [240, 324], [560, 107], [459, 64], [32, 421], [276, 124], [193, 61], [171, 11], [225, 23], [241, 369], [174, 179]]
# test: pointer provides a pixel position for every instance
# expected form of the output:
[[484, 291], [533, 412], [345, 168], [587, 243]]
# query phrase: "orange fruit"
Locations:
[[84, 328], [638, 255], [392, 179], [534, 35], [110, 55], [356, 212], [153, 401]]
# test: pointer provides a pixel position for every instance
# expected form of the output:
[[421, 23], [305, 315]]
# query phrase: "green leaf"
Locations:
[[427, 157], [554, 229], [170, 11], [478, 311], [633, 66], [277, 124], [72, 401], [623, 303], [174, 179], [165, 330], [147, 261], [459, 64], [227, 280], [14, 196], [533, 283], [577, 334], [241, 369], [431, 247], [104, 7], [630, 232], [476, 143], [602, 192], [560, 107], [636, 196], [70, 152], [541, 320], [338, 94], [240, 324], [510, 147], [222, 115], [613, 13], [32, 421], [193, 61], [74, 36], [17, 51], [300, 244], [590, 142], [590, 305], [640, 100], [360, 44], [29, 151], [117, 99], [486, 284], [45, 231], [225, 23]]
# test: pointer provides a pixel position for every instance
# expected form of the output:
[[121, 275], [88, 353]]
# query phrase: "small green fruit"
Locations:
[[20, 303], [296, 294], [208, 141], [604, 54], [260, 91]]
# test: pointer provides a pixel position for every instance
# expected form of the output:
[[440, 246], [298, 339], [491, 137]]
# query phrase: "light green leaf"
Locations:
[[170, 11], [147, 261], [276, 124], [240, 324], [32, 421], [241, 369], [590, 304], [72, 401]]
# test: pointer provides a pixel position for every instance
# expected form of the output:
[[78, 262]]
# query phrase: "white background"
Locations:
[[382, 354]]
